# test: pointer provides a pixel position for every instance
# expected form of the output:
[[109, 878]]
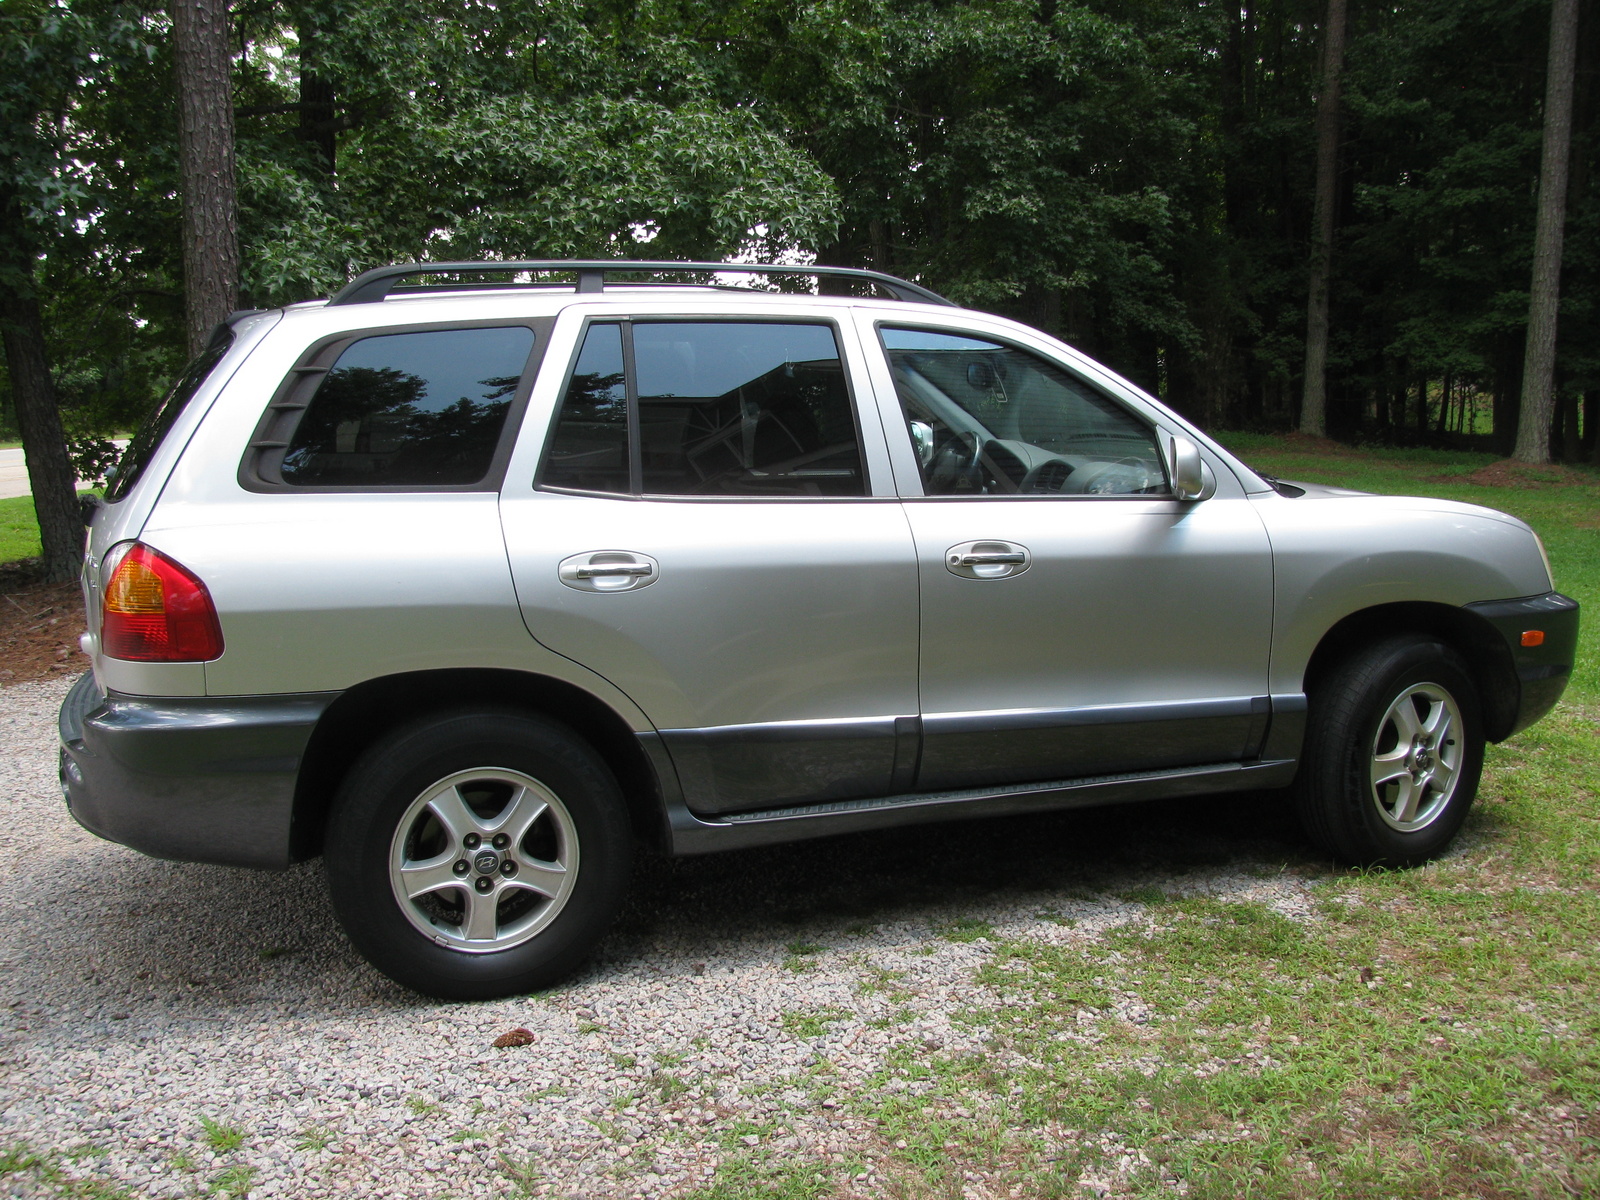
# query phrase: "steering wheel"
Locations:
[[958, 459]]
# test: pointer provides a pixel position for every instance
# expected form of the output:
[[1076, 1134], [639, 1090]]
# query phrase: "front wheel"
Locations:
[[1394, 749], [478, 854]]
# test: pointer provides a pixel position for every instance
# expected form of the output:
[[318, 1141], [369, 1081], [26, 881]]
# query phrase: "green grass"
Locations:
[[19, 528]]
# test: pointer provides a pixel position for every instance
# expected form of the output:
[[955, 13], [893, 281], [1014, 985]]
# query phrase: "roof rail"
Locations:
[[374, 285]]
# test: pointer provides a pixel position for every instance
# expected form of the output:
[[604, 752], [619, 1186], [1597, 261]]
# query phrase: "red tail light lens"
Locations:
[[157, 611]]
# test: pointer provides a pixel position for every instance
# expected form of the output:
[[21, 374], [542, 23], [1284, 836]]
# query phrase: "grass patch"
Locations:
[[19, 528], [814, 1022], [220, 1137], [26, 1172]]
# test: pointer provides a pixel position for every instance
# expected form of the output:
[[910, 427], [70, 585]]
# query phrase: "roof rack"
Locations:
[[373, 286]]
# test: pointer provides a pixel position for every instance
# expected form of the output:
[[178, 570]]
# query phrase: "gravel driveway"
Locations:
[[174, 1029]]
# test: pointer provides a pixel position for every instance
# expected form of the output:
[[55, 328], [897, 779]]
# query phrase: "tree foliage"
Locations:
[[1133, 175]]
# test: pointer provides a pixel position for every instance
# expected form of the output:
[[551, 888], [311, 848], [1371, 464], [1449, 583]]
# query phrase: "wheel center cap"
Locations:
[[487, 862]]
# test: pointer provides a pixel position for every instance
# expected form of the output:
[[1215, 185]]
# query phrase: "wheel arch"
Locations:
[[1487, 657], [366, 712]]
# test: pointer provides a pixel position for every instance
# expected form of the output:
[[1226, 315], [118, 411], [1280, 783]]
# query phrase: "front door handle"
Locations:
[[608, 571], [617, 569], [987, 560]]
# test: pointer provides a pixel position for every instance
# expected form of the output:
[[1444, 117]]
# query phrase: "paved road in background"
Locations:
[[14, 473]]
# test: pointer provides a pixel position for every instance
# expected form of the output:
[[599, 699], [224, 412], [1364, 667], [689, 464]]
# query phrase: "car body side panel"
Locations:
[[1342, 554], [319, 592], [775, 626]]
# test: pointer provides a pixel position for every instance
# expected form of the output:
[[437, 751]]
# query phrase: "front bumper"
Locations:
[[1542, 671], [203, 779]]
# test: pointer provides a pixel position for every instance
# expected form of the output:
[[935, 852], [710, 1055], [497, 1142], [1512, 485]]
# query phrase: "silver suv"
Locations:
[[470, 587]]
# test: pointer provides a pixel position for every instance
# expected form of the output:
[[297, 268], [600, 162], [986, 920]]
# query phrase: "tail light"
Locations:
[[157, 611]]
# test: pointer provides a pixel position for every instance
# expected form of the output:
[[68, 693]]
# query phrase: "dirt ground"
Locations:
[[39, 627]]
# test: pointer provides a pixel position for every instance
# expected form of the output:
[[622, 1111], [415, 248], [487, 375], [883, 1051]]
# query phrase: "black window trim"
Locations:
[[260, 468], [635, 450], [880, 323]]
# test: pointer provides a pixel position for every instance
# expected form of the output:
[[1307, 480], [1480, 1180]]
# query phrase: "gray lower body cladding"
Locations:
[[1542, 670], [204, 779]]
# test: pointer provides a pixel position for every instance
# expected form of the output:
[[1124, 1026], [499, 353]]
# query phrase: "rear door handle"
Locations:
[[987, 560], [608, 571]]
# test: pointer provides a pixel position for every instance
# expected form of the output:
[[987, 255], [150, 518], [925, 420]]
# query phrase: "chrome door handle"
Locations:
[[618, 569], [608, 571], [987, 560]]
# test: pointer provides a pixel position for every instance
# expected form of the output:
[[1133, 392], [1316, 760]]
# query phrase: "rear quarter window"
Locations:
[[142, 448], [422, 408]]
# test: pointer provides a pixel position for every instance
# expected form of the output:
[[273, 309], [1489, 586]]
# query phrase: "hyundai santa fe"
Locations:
[[477, 575]]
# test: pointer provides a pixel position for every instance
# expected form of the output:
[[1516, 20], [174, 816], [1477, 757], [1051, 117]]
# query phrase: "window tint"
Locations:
[[989, 419], [159, 423], [589, 449], [410, 409], [757, 409], [723, 408]]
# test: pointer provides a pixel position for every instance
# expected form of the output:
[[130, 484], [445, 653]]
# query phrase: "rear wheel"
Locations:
[[1394, 749], [478, 854]]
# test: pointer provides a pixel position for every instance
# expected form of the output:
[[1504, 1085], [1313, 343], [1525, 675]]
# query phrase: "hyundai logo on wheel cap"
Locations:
[[488, 862]]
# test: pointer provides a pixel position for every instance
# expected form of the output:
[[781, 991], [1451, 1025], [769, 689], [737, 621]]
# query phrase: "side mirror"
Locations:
[[1190, 479], [922, 442]]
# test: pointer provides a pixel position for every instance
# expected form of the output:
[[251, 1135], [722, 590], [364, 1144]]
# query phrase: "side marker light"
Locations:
[[1533, 637]]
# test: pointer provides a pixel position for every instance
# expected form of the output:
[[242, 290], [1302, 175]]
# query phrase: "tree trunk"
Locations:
[[50, 474], [1314, 399], [1571, 441], [1538, 379], [316, 103], [205, 160]]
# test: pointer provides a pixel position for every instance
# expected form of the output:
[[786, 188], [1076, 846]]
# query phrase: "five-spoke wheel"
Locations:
[[478, 854], [484, 859]]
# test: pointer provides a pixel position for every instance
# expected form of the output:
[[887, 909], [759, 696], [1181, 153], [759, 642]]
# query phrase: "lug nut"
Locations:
[[484, 883], [501, 841], [508, 868], [462, 866], [472, 841]]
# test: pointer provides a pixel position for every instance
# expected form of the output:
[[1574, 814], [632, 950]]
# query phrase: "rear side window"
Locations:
[[409, 410], [159, 423], [708, 408]]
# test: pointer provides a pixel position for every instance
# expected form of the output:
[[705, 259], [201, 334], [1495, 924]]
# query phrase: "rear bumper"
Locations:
[[203, 779], [1542, 671]]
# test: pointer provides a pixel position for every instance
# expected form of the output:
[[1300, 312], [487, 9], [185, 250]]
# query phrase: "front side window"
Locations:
[[409, 409], [707, 408], [986, 418]]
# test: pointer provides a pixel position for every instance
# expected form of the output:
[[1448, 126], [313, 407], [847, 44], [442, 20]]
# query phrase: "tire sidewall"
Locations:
[[394, 772]]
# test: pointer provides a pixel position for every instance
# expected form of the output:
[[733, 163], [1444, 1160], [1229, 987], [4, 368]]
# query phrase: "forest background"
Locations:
[[1134, 176]]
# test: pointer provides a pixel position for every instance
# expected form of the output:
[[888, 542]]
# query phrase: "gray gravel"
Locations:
[[143, 999]]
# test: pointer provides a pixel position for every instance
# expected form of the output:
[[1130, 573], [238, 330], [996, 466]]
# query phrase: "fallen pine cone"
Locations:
[[517, 1037]]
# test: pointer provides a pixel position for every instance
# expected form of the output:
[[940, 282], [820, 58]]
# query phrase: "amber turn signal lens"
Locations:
[[1533, 637]]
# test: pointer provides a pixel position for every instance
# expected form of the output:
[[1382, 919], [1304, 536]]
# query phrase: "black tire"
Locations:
[[500, 765], [1355, 741]]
